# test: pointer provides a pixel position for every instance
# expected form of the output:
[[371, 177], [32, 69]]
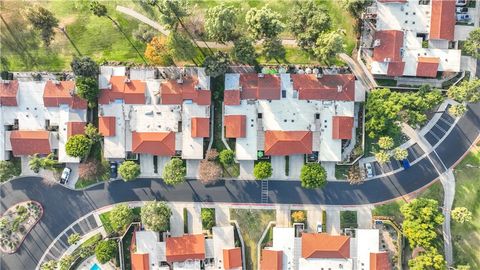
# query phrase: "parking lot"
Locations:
[[441, 127], [414, 152]]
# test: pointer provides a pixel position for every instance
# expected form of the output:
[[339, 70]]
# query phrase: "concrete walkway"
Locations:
[[333, 221], [364, 76], [448, 181]]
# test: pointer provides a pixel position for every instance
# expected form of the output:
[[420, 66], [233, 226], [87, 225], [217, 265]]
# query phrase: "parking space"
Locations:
[[314, 217], [295, 166], [246, 169], [278, 167], [192, 168], [364, 218], [440, 129]]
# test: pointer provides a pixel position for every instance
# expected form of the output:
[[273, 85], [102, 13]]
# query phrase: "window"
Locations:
[[284, 93]]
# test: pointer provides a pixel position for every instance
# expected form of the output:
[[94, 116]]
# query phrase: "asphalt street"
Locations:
[[63, 206]]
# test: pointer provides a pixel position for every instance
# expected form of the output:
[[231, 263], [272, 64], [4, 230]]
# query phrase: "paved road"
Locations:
[[63, 206]]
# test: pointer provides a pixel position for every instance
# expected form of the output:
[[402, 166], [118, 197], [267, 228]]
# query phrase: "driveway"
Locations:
[[295, 166], [278, 167], [333, 221], [246, 169]]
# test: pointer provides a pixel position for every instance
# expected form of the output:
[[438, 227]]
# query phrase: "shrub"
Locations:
[[120, 217], [8, 169], [73, 238], [155, 216], [461, 214], [313, 175], [227, 157], [174, 172], [299, 217], [129, 170], [211, 154], [78, 146], [105, 251], [209, 172], [262, 170], [208, 218]]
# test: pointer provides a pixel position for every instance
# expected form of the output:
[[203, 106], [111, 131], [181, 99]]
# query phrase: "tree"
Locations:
[[400, 154], [385, 142], [208, 218], [8, 170], [65, 262], [329, 44], [87, 88], [382, 157], [461, 214], [84, 66], [174, 172], [421, 219], [263, 23], [209, 171], [92, 133], [105, 251], [466, 91], [355, 174], [273, 49], [227, 157], [262, 170], [429, 259], [78, 145], [145, 33], [457, 110], [472, 44], [299, 217], [44, 21], [220, 23], [73, 238], [157, 52], [156, 216], [356, 7], [129, 170], [313, 175], [180, 47], [35, 163], [100, 10], [307, 21], [216, 64], [120, 217], [212, 154], [243, 51], [49, 265]]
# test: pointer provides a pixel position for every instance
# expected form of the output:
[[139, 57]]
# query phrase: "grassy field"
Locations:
[[466, 237], [100, 39], [252, 224]]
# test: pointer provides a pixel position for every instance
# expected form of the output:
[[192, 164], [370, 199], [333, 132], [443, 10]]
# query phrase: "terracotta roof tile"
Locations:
[[283, 143], [342, 127], [106, 125], [172, 92], [131, 91], [75, 128], [154, 143], [442, 21], [200, 127], [322, 245], [231, 97], [8, 93], [391, 41], [427, 66], [62, 92], [328, 87], [30, 142], [271, 260], [232, 258], [140, 261], [235, 126], [395, 68], [187, 247], [255, 87], [379, 261]]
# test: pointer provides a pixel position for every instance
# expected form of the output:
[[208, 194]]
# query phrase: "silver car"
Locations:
[[369, 170], [65, 175]]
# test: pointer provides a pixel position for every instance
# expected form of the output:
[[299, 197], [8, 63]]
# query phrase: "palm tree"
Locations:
[[100, 10]]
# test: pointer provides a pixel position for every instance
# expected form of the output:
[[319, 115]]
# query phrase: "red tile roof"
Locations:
[[329, 87], [106, 125], [395, 68], [322, 245], [8, 93], [172, 92], [62, 92], [255, 87], [30, 142], [187, 247], [232, 258], [442, 21], [271, 260], [342, 127], [140, 261], [427, 66], [154, 143], [74, 128], [200, 127], [391, 41], [283, 143], [379, 261], [235, 126], [131, 91], [231, 97], [392, 1]]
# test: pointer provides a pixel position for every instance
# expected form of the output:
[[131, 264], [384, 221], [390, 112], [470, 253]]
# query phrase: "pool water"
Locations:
[[95, 267]]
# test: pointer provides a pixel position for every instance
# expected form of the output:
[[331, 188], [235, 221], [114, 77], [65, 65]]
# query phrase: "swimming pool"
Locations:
[[95, 267]]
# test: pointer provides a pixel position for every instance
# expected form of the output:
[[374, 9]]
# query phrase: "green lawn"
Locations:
[[466, 237], [252, 224]]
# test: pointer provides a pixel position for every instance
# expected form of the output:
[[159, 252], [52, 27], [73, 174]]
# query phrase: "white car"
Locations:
[[463, 17], [65, 175], [461, 3], [369, 169], [319, 228]]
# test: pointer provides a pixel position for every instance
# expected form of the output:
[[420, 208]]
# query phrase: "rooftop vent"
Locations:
[[109, 86], [261, 75], [127, 80], [5, 81], [339, 88], [72, 92], [56, 82], [376, 43], [180, 81], [319, 75], [198, 87]]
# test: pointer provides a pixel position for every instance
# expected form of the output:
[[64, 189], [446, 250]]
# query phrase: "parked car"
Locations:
[[65, 175], [113, 170], [462, 10], [461, 3], [369, 170], [319, 228], [405, 164], [463, 17]]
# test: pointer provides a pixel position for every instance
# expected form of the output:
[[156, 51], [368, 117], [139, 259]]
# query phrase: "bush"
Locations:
[[313, 175], [212, 154], [227, 157], [73, 238], [8, 169], [299, 217], [208, 218], [209, 172], [105, 251], [129, 170], [120, 217], [78, 146], [174, 172], [84, 66], [262, 170], [155, 216]]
